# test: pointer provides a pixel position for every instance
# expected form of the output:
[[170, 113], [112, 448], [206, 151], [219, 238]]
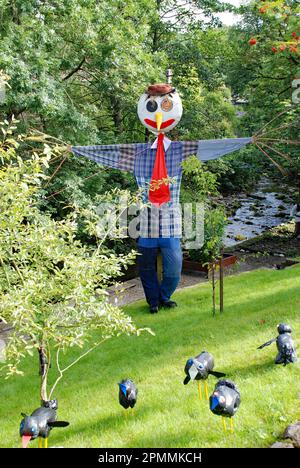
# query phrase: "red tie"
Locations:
[[159, 192]]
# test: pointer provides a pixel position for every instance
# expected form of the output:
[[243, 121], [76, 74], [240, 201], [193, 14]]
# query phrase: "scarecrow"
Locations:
[[158, 172]]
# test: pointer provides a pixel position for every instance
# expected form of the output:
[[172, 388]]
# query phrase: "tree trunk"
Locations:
[[15, 13], [117, 114], [44, 367], [147, 135], [156, 27]]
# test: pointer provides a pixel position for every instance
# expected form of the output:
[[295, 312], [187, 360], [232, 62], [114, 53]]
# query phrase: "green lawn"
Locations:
[[168, 414]]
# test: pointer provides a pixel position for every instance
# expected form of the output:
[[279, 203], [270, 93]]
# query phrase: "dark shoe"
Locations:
[[153, 309], [168, 304]]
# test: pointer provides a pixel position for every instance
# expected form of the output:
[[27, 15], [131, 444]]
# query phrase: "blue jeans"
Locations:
[[170, 249]]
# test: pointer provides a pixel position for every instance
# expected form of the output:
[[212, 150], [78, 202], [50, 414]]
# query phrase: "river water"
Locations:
[[258, 212]]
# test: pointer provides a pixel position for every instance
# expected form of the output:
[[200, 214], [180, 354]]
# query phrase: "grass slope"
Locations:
[[168, 414]]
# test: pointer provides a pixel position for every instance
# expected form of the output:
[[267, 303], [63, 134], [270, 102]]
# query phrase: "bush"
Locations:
[[53, 289], [214, 229], [236, 174], [200, 185]]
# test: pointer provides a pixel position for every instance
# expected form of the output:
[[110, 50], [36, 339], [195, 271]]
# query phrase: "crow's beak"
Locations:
[[159, 119], [214, 403], [25, 440]]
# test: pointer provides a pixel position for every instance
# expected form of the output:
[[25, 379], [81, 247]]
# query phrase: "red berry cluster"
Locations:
[[253, 41], [263, 10], [291, 47]]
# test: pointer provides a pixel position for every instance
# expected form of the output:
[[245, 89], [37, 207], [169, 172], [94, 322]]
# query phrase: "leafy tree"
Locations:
[[77, 68], [264, 64], [53, 289]]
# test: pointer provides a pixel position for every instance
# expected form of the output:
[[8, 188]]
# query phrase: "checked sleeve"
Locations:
[[116, 156], [208, 150]]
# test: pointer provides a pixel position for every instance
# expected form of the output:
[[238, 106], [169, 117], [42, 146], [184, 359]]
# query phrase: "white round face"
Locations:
[[160, 113]]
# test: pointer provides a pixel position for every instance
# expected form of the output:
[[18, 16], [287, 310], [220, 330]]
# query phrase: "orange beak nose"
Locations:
[[25, 440], [159, 119]]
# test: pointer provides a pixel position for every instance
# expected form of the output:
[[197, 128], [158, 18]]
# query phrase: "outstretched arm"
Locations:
[[208, 150], [116, 156]]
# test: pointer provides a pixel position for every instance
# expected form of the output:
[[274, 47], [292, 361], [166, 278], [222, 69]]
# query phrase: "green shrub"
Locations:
[[53, 289], [200, 185]]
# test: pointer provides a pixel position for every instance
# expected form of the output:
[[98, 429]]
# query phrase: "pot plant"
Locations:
[[199, 260]]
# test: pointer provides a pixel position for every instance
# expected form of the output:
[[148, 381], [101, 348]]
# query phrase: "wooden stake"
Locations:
[[277, 129], [214, 288], [285, 156], [260, 131], [221, 273], [159, 267], [289, 142], [281, 169]]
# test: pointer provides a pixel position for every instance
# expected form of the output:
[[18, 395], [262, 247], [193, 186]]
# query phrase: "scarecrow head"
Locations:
[[160, 108]]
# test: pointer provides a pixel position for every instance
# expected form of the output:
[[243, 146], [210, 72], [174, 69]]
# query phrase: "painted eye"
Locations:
[[167, 105], [200, 366], [151, 106], [222, 399]]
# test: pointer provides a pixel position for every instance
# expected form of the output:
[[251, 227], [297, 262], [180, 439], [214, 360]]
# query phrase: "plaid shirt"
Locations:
[[139, 158]]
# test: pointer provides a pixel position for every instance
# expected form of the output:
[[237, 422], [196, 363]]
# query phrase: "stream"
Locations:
[[258, 212]]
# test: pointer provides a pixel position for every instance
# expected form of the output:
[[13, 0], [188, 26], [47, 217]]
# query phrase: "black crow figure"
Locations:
[[127, 393], [40, 423], [285, 345], [225, 401], [199, 369]]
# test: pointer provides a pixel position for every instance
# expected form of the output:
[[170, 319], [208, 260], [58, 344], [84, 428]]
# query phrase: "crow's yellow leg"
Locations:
[[231, 425], [206, 390], [40, 442], [46, 443], [224, 423], [199, 389]]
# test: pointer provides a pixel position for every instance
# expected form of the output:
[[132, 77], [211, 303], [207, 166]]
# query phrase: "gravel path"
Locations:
[[132, 291]]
